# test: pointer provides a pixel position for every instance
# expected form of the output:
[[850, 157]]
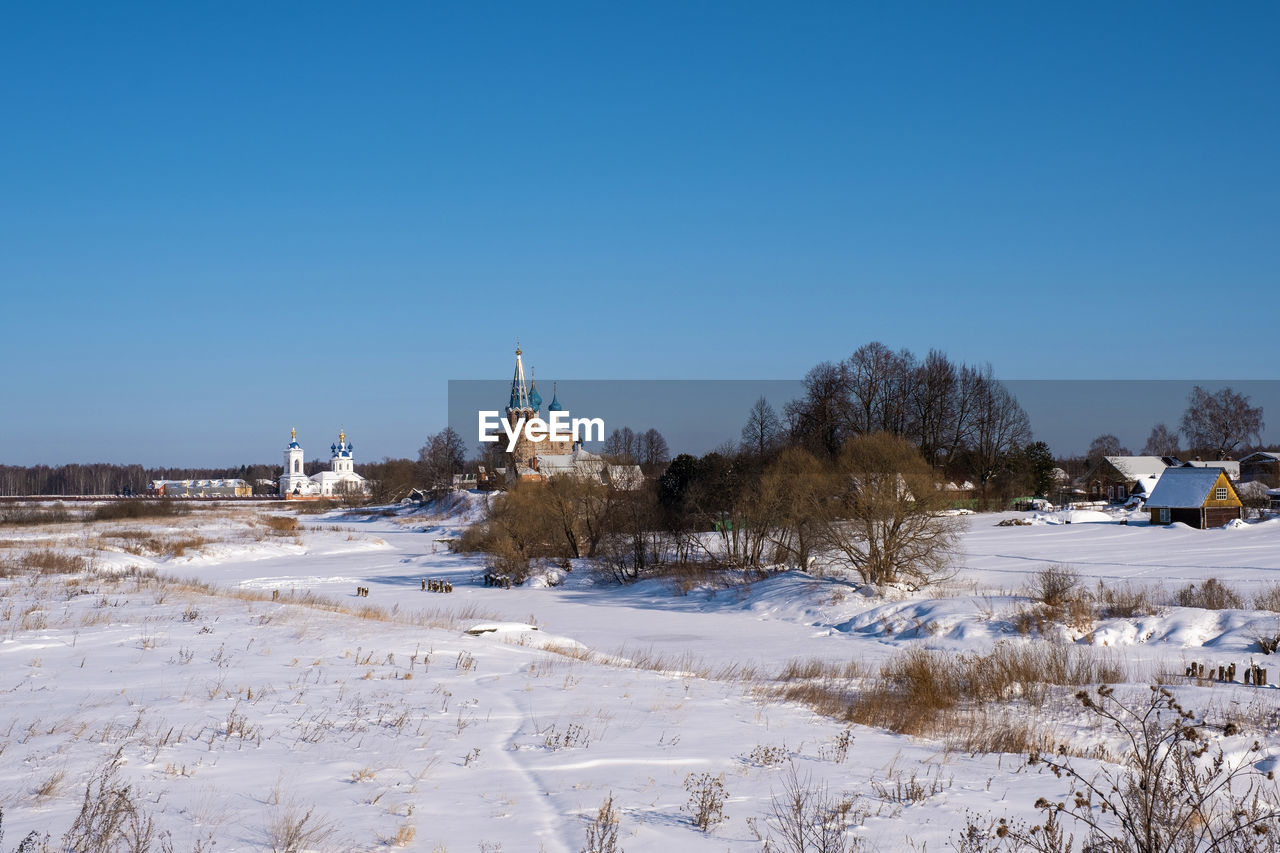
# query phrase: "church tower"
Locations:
[[342, 462], [293, 475], [522, 405]]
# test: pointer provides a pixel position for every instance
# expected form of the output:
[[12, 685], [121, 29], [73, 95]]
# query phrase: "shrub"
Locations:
[[1268, 598], [1055, 585], [804, 818], [1211, 595], [1172, 793], [1124, 602], [602, 833], [705, 806], [110, 818]]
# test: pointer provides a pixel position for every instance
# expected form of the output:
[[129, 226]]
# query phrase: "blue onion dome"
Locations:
[[535, 399], [555, 401]]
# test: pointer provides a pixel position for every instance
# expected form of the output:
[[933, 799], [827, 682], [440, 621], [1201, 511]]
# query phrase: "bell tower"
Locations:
[[293, 465], [521, 405]]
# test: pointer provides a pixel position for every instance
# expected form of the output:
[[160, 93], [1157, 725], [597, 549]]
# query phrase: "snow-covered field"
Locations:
[[248, 691]]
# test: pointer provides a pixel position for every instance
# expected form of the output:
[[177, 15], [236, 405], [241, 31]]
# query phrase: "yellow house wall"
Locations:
[[1232, 498]]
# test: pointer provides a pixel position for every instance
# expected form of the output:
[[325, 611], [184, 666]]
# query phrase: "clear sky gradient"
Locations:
[[221, 220]]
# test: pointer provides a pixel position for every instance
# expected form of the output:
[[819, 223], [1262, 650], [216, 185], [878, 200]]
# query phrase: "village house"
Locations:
[[1197, 497], [1230, 466], [1115, 478], [222, 488], [1263, 466]]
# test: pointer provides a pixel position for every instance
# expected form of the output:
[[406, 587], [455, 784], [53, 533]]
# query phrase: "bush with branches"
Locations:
[[707, 794], [1174, 792]]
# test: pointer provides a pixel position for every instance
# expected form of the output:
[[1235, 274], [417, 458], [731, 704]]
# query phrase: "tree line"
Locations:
[[850, 478], [1215, 425], [104, 478]]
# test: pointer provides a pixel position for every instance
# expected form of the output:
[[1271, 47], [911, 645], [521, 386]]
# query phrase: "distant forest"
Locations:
[[101, 478]]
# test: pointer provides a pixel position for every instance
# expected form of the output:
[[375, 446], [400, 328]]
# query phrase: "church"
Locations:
[[340, 480], [542, 460]]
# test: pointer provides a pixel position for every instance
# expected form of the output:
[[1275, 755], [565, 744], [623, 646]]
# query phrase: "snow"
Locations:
[[490, 716]]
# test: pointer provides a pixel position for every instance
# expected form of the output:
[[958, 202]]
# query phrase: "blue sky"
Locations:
[[218, 221]]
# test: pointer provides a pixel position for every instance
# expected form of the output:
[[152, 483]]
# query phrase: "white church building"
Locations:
[[341, 478]]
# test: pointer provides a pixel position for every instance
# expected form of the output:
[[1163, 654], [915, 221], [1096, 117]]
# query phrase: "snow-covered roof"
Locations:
[[1137, 467], [1230, 466], [1183, 487], [1145, 485], [1261, 456]]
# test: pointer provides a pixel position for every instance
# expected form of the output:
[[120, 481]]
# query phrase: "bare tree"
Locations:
[[763, 429], [1106, 445], [791, 494], [1221, 422], [884, 521], [440, 458], [933, 402], [1000, 430], [871, 372], [1161, 442], [819, 420], [622, 446], [652, 450]]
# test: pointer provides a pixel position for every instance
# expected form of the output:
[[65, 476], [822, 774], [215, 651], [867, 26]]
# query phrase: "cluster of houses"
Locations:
[[208, 488], [1197, 493]]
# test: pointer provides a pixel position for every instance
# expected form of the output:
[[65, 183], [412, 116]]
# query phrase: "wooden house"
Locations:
[[1262, 466], [1114, 478], [1197, 497]]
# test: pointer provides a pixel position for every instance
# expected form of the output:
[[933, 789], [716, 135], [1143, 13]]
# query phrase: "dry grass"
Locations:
[[50, 786], [47, 561], [281, 525], [1268, 598], [138, 508], [1125, 602], [292, 830], [932, 693], [1213, 594], [404, 836], [31, 516]]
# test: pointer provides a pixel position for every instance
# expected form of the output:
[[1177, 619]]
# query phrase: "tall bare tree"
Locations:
[[622, 446], [1000, 430], [819, 420], [1106, 445], [652, 450], [1220, 422], [440, 458], [1161, 442], [763, 430], [933, 404]]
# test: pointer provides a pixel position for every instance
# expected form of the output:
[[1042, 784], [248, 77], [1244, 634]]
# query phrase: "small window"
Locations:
[[1220, 494], [1164, 515]]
